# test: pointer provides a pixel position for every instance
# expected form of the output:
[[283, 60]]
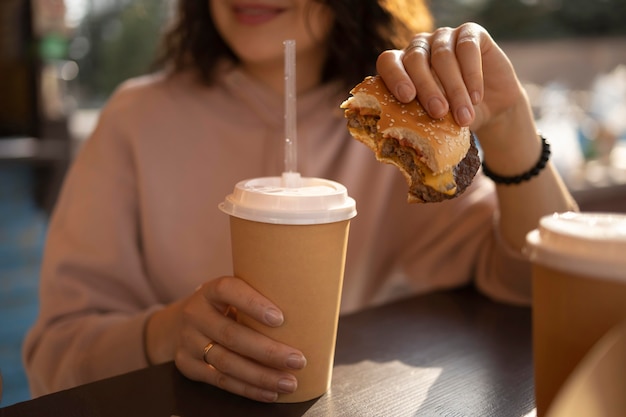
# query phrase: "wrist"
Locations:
[[510, 143], [526, 175], [159, 335], [518, 118]]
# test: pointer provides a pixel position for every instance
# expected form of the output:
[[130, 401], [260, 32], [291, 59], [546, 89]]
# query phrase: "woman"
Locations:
[[137, 264]]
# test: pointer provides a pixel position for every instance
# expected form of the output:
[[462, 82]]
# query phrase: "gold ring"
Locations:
[[206, 350], [418, 44]]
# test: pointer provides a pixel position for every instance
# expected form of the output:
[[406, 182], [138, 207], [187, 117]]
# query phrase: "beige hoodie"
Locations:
[[137, 224]]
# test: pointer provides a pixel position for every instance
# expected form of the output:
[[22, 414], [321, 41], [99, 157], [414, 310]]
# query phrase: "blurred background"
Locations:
[[61, 59]]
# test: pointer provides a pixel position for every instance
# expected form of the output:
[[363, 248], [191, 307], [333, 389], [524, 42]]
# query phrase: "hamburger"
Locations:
[[437, 157]]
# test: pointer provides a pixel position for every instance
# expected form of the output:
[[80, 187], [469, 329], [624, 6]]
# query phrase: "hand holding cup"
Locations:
[[216, 349]]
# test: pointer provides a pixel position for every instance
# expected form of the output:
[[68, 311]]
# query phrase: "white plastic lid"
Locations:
[[585, 243], [290, 200]]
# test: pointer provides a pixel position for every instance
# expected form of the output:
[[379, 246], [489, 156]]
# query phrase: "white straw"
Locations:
[[291, 138]]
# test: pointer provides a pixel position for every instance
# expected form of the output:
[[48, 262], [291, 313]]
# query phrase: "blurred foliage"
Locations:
[[121, 40], [536, 19], [120, 43]]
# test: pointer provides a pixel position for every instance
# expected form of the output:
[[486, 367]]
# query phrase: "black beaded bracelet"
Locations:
[[534, 171]]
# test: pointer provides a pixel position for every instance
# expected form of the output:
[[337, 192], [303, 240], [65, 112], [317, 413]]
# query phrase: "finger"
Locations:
[[445, 64], [249, 343], [468, 52], [430, 93], [198, 370], [235, 386], [235, 373], [245, 371], [204, 319], [390, 67], [230, 292]]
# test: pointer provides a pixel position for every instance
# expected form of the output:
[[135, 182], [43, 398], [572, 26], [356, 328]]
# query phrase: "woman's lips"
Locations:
[[255, 14]]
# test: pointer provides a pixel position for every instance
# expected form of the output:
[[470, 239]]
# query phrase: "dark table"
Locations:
[[448, 354]]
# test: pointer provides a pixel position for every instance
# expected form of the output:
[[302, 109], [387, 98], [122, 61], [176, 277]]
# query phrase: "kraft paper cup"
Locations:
[[579, 292], [596, 387], [289, 243]]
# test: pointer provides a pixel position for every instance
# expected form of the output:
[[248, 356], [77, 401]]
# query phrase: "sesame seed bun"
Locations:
[[435, 155]]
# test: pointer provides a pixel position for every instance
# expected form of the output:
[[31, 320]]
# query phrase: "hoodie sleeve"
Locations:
[[94, 294]]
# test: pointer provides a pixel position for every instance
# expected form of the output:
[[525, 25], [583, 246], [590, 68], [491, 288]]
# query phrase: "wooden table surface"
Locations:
[[451, 354]]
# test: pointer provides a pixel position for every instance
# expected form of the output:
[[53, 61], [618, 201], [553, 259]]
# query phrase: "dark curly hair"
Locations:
[[362, 29]]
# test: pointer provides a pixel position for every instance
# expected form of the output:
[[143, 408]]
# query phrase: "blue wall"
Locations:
[[22, 233]]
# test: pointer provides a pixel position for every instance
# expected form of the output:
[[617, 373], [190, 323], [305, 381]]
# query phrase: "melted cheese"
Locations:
[[444, 182]]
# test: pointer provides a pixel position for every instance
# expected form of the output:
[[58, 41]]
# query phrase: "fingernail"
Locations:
[[269, 396], [287, 385], [274, 317], [404, 92], [464, 117], [295, 361], [436, 107], [475, 98]]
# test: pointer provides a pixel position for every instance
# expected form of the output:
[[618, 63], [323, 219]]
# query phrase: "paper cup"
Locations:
[[289, 243], [579, 292]]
